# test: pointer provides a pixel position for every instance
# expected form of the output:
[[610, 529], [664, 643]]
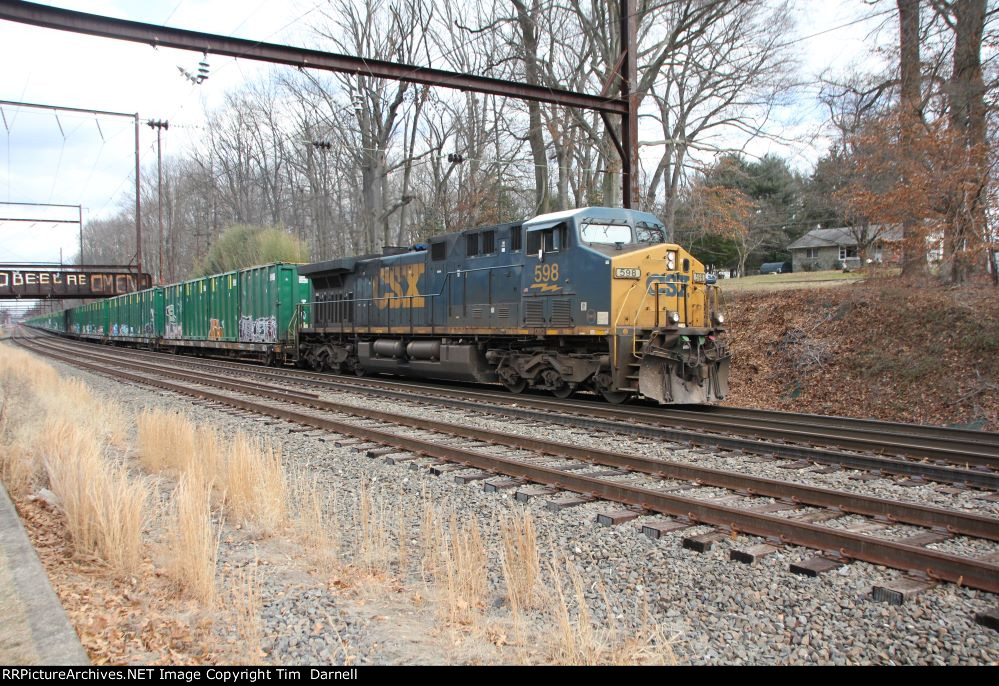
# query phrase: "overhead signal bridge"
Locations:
[[55, 281]]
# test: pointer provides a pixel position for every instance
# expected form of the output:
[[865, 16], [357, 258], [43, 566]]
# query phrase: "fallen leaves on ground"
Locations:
[[884, 349]]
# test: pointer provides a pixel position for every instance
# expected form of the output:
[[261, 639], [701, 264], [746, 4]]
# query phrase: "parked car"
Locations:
[[775, 268]]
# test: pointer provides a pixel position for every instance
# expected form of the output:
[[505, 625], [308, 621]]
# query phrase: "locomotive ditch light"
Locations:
[[673, 317], [718, 317]]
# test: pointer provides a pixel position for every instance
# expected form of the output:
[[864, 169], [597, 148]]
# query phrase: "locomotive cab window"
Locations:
[[650, 233], [515, 239], [605, 233], [472, 244], [552, 239], [438, 251], [488, 242]]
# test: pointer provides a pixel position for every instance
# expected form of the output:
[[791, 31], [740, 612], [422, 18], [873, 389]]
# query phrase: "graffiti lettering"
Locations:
[[173, 327], [215, 330], [261, 330]]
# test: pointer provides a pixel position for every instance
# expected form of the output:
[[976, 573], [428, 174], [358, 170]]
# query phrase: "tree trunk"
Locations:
[[535, 134], [910, 117], [967, 120]]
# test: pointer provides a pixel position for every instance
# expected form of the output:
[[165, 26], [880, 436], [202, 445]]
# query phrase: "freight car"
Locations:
[[251, 313], [593, 298]]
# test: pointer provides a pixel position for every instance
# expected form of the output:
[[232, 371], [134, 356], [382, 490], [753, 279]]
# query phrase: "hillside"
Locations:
[[879, 349]]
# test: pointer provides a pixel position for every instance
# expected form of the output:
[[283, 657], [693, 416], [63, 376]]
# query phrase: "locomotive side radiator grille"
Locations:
[[503, 311], [562, 312], [534, 312]]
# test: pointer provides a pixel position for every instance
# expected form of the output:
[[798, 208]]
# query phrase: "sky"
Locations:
[[84, 159]]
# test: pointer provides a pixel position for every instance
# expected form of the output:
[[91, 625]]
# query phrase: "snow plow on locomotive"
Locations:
[[587, 299]]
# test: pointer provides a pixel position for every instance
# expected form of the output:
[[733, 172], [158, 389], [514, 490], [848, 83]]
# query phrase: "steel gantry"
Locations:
[[625, 104]]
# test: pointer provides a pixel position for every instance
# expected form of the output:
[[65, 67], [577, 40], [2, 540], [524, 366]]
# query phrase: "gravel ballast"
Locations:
[[717, 610]]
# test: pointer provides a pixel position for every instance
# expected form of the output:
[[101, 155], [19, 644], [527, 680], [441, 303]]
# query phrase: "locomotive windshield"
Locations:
[[622, 233]]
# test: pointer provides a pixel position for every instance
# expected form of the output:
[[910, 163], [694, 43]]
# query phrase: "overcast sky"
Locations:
[[72, 159]]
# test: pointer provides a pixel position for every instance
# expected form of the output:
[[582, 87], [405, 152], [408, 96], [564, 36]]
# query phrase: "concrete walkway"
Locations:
[[34, 629]]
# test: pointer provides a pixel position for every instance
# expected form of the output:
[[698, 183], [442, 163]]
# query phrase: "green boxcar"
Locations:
[[90, 319], [223, 292], [196, 311], [269, 297], [173, 311], [146, 313], [53, 321]]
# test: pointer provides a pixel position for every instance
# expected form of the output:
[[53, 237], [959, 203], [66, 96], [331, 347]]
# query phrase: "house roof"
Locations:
[[843, 236]]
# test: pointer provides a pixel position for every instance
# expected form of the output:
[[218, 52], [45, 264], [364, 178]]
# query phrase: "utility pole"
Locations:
[[138, 206], [322, 218], [159, 126]]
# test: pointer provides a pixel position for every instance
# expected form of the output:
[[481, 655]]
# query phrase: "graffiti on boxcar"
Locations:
[[173, 328], [260, 330], [215, 330]]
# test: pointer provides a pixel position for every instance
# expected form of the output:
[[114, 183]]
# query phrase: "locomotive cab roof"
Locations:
[[610, 216]]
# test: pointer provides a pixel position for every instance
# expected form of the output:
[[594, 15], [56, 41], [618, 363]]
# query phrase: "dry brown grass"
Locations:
[[246, 472], [576, 639], [244, 594], [316, 521], [254, 482], [193, 539], [166, 440], [462, 577], [105, 510], [374, 547], [52, 429], [521, 563]]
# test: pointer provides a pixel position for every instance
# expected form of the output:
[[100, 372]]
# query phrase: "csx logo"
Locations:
[[400, 286], [668, 284]]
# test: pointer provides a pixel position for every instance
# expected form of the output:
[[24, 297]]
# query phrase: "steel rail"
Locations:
[[847, 545], [891, 510], [720, 434], [944, 443], [957, 450], [883, 464]]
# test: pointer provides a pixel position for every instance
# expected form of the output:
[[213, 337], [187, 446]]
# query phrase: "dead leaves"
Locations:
[[891, 352], [132, 620]]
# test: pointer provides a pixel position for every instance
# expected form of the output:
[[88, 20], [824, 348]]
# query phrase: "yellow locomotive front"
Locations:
[[667, 327]]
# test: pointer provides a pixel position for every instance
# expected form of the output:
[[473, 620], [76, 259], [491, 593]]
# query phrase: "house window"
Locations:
[[812, 253], [847, 252]]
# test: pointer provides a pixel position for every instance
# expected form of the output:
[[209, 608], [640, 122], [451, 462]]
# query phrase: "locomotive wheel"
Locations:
[[615, 397], [564, 391], [517, 386]]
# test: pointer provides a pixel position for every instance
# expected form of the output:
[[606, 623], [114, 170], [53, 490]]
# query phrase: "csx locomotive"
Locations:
[[593, 298]]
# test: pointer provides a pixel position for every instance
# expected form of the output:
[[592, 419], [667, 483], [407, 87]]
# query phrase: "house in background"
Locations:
[[835, 248]]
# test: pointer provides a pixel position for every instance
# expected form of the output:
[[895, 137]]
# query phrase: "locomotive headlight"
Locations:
[[671, 259]]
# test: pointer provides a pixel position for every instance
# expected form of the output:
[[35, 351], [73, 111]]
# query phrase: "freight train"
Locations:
[[590, 299]]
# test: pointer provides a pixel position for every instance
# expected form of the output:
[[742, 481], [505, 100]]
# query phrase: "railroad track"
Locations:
[[956, 464], [686, 494]]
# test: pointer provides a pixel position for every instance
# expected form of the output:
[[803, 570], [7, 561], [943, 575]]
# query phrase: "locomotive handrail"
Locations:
[[438, 294]]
